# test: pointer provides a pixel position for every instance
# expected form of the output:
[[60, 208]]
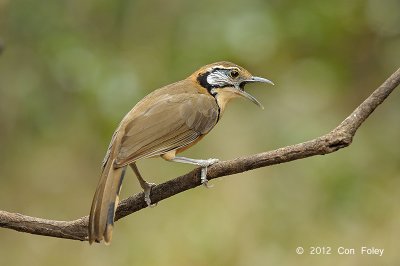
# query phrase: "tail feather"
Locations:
[[105, 202]]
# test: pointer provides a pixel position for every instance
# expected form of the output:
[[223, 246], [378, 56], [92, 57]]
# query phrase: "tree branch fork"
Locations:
[[340, 137]]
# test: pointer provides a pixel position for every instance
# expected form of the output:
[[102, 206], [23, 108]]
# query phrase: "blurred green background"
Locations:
[[70, 70]]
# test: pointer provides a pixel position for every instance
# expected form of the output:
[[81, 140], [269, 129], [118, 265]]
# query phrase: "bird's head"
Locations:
[[225, 81]]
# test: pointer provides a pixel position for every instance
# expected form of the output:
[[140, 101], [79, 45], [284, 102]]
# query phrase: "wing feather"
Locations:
[[169, 123]]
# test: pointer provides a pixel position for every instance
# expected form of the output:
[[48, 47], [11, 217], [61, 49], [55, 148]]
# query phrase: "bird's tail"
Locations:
[[105, 202]]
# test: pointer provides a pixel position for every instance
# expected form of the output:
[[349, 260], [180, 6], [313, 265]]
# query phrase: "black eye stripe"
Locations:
[[202, 80], [224, 68]]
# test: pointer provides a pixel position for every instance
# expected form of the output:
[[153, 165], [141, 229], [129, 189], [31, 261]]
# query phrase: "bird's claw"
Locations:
[[147, 192], [204, 164]]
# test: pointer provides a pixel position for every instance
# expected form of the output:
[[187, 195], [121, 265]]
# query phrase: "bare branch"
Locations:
[[338, 138]]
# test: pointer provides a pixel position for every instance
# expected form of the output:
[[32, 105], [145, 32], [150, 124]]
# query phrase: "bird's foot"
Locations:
[[204, 164], [147, 190]]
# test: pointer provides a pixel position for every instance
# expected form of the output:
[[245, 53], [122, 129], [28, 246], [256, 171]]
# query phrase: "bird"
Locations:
[[164, 123]]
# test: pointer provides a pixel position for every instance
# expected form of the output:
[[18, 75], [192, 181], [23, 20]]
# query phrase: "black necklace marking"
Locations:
[[219, 109], [202, 79]]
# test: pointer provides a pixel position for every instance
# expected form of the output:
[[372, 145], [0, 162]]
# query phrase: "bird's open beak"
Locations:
[[247, 95]]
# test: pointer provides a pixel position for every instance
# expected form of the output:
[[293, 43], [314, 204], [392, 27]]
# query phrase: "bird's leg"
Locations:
[[146, 186], [202, 163]]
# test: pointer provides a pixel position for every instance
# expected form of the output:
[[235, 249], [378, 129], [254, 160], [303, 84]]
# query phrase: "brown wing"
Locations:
[[168, 123]]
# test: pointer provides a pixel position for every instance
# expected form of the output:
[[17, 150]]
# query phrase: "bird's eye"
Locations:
[[234, 74]]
